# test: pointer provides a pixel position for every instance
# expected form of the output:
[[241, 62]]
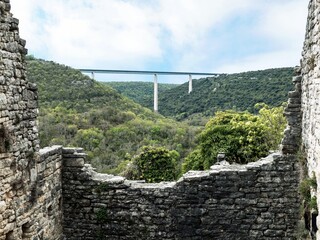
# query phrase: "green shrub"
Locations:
[[242, 136], [305, 190], [101, 215], [102, 187], [156, 164]]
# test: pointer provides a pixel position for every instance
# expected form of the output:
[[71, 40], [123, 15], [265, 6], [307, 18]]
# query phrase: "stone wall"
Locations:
[[39, 214], [27, 178], [47, 216], [254, 201], [49, 193], [311, 96]]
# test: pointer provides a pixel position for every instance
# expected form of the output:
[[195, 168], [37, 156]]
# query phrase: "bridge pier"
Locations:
[[155, 93], [190, 83], [154, 73]]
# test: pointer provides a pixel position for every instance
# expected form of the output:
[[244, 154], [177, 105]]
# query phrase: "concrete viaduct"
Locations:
[[155, 76]]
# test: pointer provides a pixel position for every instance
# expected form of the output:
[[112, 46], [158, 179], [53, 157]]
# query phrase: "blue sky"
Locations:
[[166, 35]]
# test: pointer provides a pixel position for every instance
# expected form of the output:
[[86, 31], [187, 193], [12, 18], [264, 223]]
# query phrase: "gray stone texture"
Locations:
[[52, 194], [254, 201], [30, 182], [292, 135], [310, 100]]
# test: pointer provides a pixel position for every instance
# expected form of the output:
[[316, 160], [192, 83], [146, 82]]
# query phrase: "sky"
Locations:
[[218, 36]]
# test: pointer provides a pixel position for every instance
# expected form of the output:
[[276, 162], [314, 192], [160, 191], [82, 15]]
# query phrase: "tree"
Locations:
[[89, 139], [275, 122], [242, 136], [156, 164]]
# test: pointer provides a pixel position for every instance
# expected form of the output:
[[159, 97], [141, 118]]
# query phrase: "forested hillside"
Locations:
[[140, 92], [78, 111], [228, 91], [239, 91]]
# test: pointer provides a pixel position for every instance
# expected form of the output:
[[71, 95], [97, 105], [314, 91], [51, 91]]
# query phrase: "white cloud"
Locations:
[[185, 34], [29, 28], [189, 21], [261, 61], [282, 25], [104, 32]]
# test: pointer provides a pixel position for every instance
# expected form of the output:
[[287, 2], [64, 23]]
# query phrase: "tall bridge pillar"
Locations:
[[154, 73], [155, 93], [190, 83]]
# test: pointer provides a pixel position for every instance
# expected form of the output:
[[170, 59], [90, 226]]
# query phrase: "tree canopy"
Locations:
[[78, 111], [239, 92], [155, 164], [243, 137]]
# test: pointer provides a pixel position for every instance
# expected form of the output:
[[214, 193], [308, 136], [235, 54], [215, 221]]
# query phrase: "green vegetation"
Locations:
[[310, 202], [78, 111], [242, 136], [114, 130], [154, 164], [102, 187], [102, 215], [239, 92], [140, 92]]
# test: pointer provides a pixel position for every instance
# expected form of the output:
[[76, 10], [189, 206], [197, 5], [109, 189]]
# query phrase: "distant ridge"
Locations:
[[76, 110], [239, 91]]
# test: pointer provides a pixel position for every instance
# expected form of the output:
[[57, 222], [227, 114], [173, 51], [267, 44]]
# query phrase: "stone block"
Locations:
[[73, 162]]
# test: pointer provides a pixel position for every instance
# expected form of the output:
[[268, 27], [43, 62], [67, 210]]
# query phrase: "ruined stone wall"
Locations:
[[48, 213], [26, 179], [49, 193], [255, 201], [311, 96]]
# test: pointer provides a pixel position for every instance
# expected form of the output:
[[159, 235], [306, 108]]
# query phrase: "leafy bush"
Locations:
[[156, 164], [242, 136], [310, 202], [275, 122]]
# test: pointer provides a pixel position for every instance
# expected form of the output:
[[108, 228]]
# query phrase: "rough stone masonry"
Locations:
[[30, 184], [310, 96], [52, 194]]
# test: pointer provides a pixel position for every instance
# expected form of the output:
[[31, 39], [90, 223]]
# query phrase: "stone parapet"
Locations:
[[254, 201]]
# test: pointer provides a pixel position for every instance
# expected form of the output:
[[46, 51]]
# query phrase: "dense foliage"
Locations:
[[274, 121], [242, 136], [154, 164], [140, 92], [78, 111], [238, 92]]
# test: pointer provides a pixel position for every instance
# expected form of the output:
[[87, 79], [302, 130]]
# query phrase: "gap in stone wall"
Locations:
[[27, 232], [4, 141], [49, 210], [10, 236]]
